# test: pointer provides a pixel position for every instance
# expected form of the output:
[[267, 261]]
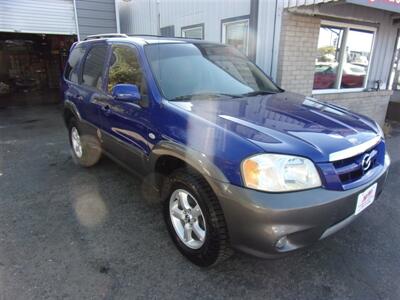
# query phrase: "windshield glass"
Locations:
[[188, 70]]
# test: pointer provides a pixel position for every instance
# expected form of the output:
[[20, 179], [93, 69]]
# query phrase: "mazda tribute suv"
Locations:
[[237, 162]]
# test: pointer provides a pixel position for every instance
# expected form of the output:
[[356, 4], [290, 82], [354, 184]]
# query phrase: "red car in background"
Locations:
[[325, 76]]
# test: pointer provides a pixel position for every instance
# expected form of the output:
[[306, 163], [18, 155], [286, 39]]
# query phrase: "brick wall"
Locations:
[[372, 104], [297, 52]]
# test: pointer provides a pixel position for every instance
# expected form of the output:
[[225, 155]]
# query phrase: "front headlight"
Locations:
[[279, 173]]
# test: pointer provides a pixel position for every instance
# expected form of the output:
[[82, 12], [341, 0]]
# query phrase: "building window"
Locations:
[[168, 31], [394, 77], [343, 57], [236, 33], [193, 32]]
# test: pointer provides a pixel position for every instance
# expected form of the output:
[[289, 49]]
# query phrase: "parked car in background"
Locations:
[[238, 162], [325, 76]]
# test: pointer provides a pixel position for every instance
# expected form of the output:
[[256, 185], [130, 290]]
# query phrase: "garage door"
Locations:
[[38, 16]]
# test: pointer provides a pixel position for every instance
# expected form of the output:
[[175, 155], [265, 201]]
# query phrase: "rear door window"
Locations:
[[93, 66], [72, 67]]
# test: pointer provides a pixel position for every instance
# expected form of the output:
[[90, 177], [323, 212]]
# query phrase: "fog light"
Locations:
[[281, 243], [387, 159]]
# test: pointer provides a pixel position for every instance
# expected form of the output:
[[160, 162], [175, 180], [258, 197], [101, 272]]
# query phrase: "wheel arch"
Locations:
[[70, 111], [168, 156]]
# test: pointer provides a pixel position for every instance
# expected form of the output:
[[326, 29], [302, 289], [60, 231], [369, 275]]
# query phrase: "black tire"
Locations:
[[91, 148], [216, 247]]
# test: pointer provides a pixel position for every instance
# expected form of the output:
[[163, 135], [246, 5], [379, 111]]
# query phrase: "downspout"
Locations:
[[273, 40], [159, 18], [117, 16], [253, 29], [76, 20]]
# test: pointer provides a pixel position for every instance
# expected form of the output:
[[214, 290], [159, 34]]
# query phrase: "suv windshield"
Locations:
[[187, 71]]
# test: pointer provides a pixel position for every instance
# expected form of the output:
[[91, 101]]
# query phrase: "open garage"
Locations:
[[31, 67], [34, 40], [35, 37]]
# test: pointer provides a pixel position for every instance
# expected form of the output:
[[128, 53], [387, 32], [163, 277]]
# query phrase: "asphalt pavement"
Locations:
[[67, 232]]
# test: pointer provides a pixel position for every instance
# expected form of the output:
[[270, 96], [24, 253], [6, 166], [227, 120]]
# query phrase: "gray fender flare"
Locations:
[[197, 160], [69, 105]]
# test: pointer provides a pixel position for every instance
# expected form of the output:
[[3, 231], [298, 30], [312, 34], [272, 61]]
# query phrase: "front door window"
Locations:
[[125, 68]]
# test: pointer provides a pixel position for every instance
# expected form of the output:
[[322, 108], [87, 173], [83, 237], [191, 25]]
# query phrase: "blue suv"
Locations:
[[238, 162]]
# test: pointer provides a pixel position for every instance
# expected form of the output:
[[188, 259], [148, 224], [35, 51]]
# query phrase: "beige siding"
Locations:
[[298, 49], [371, 104]]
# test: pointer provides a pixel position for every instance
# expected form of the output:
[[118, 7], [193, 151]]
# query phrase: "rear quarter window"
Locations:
[[71, 69]]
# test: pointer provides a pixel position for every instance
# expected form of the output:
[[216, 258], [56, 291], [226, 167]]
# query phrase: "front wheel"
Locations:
[[195, 219]]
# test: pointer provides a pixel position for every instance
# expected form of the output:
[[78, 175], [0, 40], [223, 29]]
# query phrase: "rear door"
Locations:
[[92, 87], [126, 125], [70, 84]]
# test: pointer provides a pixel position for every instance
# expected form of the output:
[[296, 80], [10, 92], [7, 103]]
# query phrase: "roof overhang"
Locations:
[[389, 5]]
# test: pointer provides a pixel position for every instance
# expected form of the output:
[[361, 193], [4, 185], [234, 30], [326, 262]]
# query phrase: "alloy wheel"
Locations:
[[76, 142], [187, 219]]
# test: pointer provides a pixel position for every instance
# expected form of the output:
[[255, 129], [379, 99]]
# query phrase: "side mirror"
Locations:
[[126, 92]]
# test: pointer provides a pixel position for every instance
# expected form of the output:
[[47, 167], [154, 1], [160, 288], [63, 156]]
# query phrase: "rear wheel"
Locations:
[[86, 149], [195, 219]]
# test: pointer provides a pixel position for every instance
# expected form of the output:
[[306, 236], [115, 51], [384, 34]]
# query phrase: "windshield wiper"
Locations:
[[204, 96], [257, 93]]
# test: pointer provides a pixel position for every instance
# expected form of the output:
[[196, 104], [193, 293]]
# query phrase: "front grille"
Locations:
[[351, 169]]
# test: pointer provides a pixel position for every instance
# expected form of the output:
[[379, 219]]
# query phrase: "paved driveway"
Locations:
[[74, 233]]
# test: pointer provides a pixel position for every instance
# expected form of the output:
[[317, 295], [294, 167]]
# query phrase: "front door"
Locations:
[[126, 126]]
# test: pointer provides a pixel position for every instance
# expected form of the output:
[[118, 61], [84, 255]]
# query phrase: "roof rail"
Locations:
[[145, 34], [105, 35], [162, 36]]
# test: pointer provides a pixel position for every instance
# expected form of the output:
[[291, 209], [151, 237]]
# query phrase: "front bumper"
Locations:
[[257, 220]]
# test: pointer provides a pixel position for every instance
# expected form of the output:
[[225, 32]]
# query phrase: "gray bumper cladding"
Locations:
[[270, 224]]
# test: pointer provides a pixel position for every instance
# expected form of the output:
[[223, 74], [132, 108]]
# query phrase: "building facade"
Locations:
[[60, 17], [339, 51]]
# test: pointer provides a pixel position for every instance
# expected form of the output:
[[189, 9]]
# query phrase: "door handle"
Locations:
[[106, 109], [101, 98], [79, 97]]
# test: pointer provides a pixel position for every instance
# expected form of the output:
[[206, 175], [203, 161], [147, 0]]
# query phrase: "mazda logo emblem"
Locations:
[[366, 162]]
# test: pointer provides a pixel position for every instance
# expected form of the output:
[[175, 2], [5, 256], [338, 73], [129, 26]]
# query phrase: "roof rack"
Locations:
[[105, 35], [162, 36]]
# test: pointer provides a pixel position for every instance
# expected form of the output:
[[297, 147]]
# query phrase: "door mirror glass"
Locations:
[[126, 92]]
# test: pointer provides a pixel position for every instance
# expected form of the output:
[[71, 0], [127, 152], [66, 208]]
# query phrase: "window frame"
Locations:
[[235, 20], [171, 27], [190, 27], [390, 80], [347, 27]]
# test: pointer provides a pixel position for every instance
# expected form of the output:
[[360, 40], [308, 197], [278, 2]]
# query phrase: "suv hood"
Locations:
[[287, 123]]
